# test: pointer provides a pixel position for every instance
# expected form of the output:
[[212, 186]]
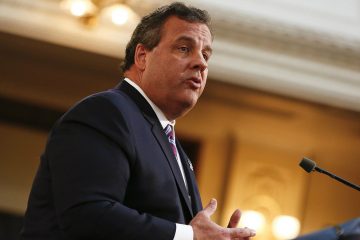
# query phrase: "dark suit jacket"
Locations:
[[108, 172]]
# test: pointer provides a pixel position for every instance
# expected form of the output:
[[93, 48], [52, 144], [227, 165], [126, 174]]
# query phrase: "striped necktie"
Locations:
[[171, 137], [169, 131]]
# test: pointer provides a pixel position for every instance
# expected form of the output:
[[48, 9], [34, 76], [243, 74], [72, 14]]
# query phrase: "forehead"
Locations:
[[175, 27]]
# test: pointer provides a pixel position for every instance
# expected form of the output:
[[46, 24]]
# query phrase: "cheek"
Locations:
[[204, 79], [204, 75]]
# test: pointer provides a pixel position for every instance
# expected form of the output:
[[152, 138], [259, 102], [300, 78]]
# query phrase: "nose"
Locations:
[[199, 63]]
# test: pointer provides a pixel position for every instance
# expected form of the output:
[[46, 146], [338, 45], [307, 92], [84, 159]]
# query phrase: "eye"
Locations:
[[184, 49], [206, 56]]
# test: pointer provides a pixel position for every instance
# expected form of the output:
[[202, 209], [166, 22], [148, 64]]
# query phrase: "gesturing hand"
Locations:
[[205, 229], [234, 219]]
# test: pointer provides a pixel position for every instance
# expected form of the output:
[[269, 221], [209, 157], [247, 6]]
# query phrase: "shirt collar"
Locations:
[[160, 115]]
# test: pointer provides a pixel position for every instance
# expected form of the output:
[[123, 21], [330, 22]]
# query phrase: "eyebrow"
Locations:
[[189, 39]]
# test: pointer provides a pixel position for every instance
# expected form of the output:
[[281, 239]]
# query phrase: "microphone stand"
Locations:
[[320, 170]]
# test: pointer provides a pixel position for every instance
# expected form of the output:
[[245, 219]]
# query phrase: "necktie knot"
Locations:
[[170, 133]]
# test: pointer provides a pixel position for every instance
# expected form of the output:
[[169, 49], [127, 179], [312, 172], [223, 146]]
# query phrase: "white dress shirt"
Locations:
[[183, 232]]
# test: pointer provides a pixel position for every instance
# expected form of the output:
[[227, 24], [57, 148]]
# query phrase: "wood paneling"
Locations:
[[270, 135]]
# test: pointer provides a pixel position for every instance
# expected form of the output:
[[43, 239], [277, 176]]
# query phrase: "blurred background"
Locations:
[[284, 83]]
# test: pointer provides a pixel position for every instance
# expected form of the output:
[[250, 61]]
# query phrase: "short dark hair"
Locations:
[[148, 31]]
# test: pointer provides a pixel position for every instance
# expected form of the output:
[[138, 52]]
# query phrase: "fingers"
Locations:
[[205, 229], [241, 233], [210, 208], [234, 219]]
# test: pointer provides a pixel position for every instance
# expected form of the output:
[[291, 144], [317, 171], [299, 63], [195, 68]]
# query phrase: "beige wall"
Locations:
[[251, 141], [20, 148]]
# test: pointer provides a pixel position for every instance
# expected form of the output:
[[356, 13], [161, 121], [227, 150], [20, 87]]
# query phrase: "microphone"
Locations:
[[309, 165]]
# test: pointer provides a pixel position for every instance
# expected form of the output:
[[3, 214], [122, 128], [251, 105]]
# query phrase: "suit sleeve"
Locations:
[[90, 157]]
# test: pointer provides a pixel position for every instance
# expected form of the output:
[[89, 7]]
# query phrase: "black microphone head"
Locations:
[[307, 164]]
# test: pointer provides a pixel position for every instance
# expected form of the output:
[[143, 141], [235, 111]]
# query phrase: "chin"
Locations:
[[188, 105], [191, 98]]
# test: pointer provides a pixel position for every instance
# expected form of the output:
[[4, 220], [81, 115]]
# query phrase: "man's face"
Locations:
[[176, 69]]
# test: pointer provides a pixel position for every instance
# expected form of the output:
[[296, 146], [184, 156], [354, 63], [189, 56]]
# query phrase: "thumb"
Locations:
[[210, 208]]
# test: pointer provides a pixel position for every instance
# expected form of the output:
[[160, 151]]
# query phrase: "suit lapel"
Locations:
[[164, 143], [160, 136], [191, 180]]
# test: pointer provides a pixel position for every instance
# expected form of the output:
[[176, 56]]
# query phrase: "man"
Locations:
[[110, 170]]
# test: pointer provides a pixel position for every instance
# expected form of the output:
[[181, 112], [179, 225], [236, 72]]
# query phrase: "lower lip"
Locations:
[[194, 84]]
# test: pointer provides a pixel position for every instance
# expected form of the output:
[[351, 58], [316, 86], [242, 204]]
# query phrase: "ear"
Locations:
[[140, 56]]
